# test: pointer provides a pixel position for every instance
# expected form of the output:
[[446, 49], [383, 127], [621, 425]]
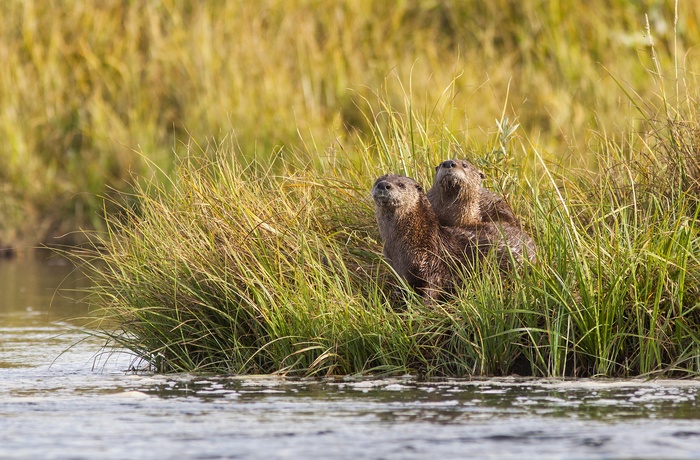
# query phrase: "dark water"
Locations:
[[60, 398]]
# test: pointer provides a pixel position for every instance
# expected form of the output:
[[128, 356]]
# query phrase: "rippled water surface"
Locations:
[[60, 398]]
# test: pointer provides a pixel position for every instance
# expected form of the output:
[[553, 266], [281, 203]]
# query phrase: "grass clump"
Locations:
[[241, 270], [245, 261], [245, 268]]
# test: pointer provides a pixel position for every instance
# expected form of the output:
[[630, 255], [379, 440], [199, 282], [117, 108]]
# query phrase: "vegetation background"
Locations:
[[89, 92]]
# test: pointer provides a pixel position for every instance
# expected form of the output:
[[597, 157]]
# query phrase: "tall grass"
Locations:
[[92, 93], [275, 266]]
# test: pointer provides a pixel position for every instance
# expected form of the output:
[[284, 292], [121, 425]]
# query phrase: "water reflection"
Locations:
[[392, 418], [30, 294], [456, 400]]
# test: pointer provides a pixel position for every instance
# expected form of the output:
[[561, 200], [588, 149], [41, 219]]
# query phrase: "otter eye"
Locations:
[[419, 188], [464, 165], [402, 185]]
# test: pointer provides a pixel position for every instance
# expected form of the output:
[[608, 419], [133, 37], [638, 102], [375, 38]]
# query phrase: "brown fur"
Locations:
[[427, 255], [459, 200]]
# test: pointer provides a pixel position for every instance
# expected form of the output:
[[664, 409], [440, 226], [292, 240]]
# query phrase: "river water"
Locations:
[[61, 398]]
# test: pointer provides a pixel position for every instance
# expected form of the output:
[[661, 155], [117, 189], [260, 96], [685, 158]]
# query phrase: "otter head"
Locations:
[[455, 177], [394, 192]]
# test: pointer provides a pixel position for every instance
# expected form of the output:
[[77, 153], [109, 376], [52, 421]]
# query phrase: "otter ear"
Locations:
[[482, 175], [437, 168]]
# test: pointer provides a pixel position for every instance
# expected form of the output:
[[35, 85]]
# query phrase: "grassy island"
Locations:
[[275, 265]]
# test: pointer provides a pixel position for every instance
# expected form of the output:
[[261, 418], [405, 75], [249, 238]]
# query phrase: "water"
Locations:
[[60, 398]]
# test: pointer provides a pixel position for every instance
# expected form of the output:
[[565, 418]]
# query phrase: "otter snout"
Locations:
[[383, 185], [457, 170], [395, 191], [381, 192], [447, 169]]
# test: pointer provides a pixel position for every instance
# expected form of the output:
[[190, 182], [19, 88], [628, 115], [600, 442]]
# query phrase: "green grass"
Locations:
[[246, 267], [93, 93]]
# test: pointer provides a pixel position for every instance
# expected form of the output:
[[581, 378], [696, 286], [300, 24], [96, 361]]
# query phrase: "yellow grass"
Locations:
[[89, 90]]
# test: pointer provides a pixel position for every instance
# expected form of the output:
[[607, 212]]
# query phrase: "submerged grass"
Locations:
[[241, 267]]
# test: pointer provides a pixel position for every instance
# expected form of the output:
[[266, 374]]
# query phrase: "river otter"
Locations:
[[427, 255], [459, 200]]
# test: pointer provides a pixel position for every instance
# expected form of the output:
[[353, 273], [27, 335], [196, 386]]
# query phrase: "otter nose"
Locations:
[[449, 164], [383, 185]]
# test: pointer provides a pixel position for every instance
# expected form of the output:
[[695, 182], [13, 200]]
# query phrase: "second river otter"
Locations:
[[429, 256], [459, 200]]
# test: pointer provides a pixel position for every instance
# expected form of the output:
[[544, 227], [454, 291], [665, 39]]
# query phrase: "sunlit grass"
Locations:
[[243, 267], [89, 91]]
